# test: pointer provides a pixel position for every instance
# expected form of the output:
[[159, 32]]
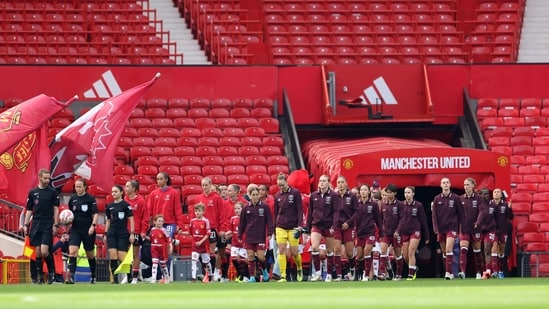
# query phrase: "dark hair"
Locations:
[[83, 181], [135, 184], [119, 188], [411, 188], [391, 187], [168, 179]]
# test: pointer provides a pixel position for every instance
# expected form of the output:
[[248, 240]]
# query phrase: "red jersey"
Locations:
[[160, 241], [214, 210], [199, 228], [235, 242], [228, 208], [140, 214], [166, 201]]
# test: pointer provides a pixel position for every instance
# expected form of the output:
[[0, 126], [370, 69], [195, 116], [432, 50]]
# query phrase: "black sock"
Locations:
[[93, 265], [40, 268], [213, 259], [33, 270], [237, 268], [51, 265], [114, 266], [72, 265]]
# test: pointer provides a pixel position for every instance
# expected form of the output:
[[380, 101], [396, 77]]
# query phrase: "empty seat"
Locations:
[[234, 160], [248, 150], [234, 169], [205, 123], [209, 141], [190, 170], [212, 170]]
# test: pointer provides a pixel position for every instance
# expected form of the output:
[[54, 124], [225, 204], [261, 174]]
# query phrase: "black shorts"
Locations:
[[215, 239], [41, 233], [118, 240], [80, 236], [138, 240]]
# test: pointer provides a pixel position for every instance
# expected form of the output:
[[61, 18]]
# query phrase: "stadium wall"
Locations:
[[303, 84]]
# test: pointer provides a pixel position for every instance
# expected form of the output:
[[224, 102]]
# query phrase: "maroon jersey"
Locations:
[[447, 213], [504, 215], [256, 223], [199, 228], [471, 209], [160, 240], [321, 210], [233, 226], [487, 217], [346, 209], [288, 209], [368, 218], [413, 219], [390, 217]]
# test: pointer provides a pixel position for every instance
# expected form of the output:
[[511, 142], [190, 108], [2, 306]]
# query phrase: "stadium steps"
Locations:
[[534, 42], [179, 32]]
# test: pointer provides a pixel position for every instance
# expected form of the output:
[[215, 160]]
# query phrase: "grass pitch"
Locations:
[[422, 293]]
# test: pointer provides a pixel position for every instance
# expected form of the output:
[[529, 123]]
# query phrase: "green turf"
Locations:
[[422, 293]]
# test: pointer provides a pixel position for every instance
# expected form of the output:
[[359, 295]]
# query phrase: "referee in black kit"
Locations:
[[84, 208], [43, 206]]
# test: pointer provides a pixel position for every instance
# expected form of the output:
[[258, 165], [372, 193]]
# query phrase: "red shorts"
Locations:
[[476, 237], [489, 237], [395, 242], [345, 236], [444, 236], [363, 241], [324, 233], [159, 252], [256, 247], [414, 235]]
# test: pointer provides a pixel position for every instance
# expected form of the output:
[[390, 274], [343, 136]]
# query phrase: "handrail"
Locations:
[[427, 91], [12, 218]]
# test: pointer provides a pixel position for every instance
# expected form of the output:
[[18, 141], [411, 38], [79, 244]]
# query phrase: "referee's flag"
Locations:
[[28, 250], [126, 266]]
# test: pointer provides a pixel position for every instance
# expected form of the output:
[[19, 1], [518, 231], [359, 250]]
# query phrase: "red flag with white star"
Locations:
[[87, 146]]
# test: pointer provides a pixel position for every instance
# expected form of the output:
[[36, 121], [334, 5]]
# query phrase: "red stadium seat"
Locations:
[[234, 160]]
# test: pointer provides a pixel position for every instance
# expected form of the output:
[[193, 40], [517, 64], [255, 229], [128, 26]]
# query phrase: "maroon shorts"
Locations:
[[324, 233], [444, 236], [367, 240], [489, 237], [395, 242], [475, 237], [256, 247], [345, 236], [502, 237], [414, 235]]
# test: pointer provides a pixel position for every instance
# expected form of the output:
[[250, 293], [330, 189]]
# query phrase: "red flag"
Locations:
[[28, 250], [20, 120], [21, 163], [87, 146], [24, 145]]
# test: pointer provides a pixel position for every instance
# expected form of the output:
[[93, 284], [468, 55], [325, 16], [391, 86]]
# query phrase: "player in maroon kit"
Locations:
[[471, 202], [288, 218], [321, 224], [391, 212], [141, 222], [367, 220], [255, 227], [486, 222], [412, 227], [161, 248], [345, 219], [238, 252], [219, 223], [200, 230], [447, 213], [504, 215]]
